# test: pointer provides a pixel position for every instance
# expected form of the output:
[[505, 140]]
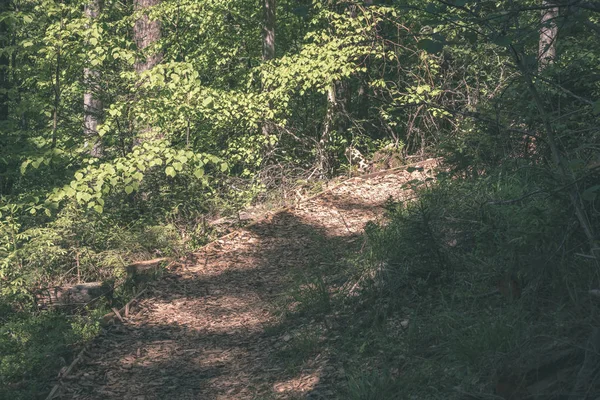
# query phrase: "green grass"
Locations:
[[34, 347], [423, 321]]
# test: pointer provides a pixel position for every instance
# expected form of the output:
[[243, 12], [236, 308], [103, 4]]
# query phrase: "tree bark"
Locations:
[[145, 33], [4, 64], [57, 93], [268, 53], [322, 156], [80, 294], [548, 33], [268, 50], [92, 105]]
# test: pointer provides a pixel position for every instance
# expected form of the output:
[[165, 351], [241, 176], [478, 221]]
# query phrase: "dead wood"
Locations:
[[80, 294]]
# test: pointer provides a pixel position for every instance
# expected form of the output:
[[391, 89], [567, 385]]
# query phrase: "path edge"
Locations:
[[111, 316]]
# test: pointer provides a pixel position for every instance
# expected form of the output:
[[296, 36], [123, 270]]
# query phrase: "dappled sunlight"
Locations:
[[223, 314], [298, 385], [213, 326]]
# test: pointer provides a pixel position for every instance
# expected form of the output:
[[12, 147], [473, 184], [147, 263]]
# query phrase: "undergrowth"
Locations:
[[35, 347], [427, 310], [79, 245]]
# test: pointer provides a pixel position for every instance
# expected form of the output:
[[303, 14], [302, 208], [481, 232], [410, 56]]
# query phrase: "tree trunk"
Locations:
[[4, 65], [268, 53], [56, 105], [145, 33], [548, 33], [322, 158], [92, 105]]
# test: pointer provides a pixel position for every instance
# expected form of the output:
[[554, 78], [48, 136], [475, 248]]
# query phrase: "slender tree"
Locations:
[[268, 50], [4, 63], [548, 33], [92, 105], [322, 156]]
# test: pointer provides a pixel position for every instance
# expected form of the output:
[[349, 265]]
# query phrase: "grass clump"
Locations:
[[34, 348], [461, 293]]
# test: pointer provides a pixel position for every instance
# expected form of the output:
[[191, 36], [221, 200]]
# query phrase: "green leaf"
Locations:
[[178, 166], [98, 209], [24, 166], [199, 173], [128, 189], [170, 171], [208, 102], [224, 167]]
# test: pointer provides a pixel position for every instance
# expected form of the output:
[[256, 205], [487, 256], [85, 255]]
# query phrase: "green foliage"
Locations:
[[442, 256], [213, 126], [93, 183], [34, 347], [374, 385]]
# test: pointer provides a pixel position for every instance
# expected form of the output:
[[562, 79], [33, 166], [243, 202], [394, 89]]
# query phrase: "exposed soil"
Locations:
[[211, 329]]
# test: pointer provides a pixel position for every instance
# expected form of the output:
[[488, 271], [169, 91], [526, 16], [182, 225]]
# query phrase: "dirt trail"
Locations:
[[205, 331]]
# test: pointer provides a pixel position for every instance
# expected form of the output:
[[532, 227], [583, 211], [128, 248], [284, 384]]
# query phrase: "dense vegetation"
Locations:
[[125, 126]]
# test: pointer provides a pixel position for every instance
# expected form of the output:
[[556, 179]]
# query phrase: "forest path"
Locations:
[[213, 330]]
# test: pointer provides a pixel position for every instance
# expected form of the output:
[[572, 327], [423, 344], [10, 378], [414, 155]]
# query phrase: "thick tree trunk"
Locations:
[[268, 51], [548, 33], [92, 105], [145, 33]]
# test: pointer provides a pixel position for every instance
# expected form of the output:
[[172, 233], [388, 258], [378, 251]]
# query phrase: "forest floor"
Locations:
[[230, 324]]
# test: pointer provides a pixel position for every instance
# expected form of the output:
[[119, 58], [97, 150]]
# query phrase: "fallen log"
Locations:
[[72, 295]]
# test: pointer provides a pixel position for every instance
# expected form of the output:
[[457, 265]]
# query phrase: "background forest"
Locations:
[[126, 126]]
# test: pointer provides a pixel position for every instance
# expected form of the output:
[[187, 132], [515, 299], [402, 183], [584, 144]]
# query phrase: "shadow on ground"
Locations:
[[235, 326]]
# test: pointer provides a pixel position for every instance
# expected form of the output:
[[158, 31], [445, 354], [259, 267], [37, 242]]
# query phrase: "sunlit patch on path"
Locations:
[[202, 331]]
